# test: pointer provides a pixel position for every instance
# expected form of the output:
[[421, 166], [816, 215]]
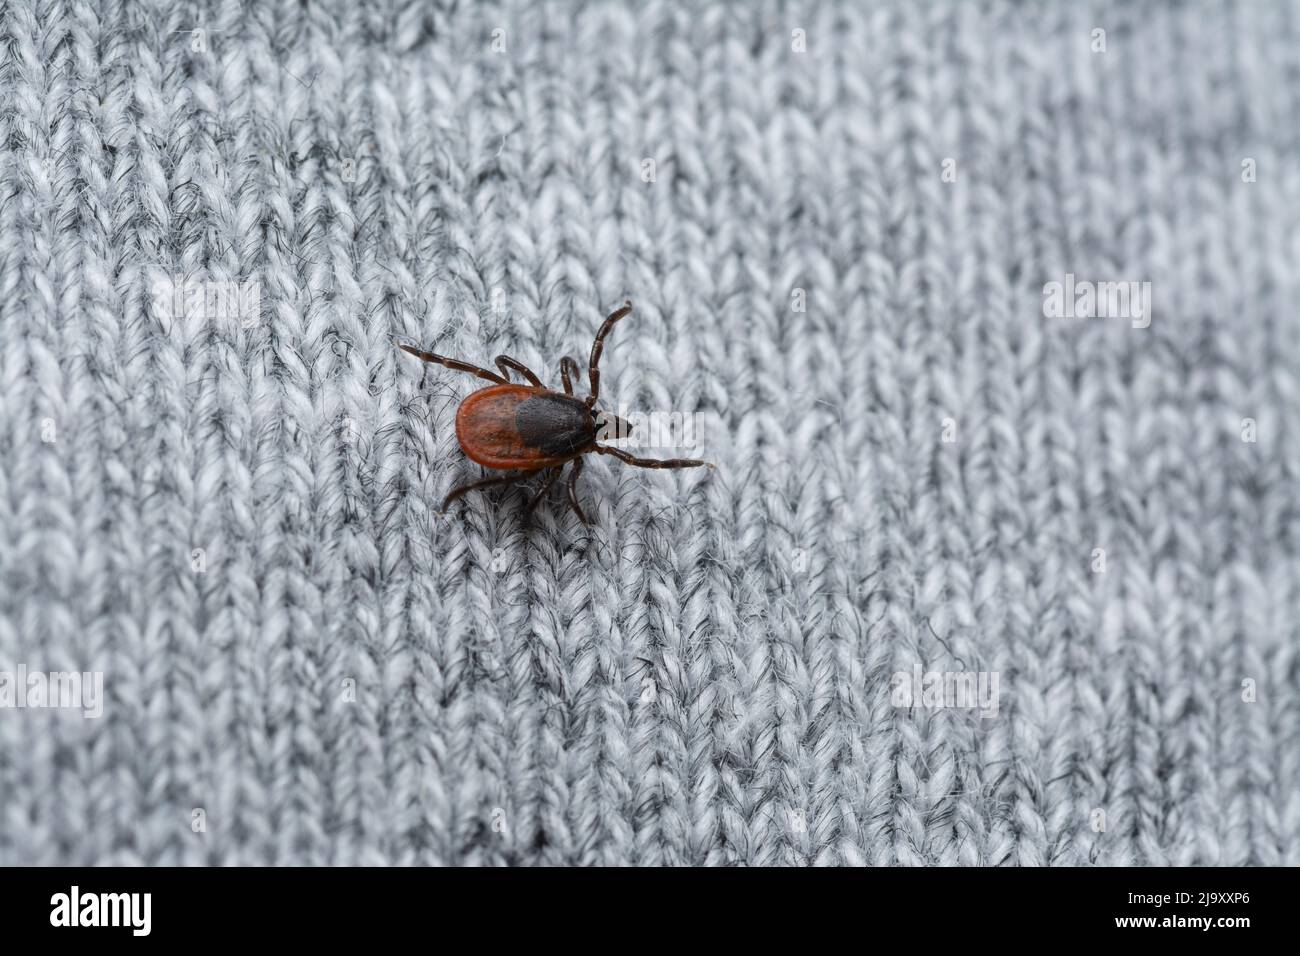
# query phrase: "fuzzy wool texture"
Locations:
[[235, 516]]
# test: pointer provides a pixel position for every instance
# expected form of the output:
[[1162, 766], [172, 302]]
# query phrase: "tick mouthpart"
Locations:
[[612, 428]]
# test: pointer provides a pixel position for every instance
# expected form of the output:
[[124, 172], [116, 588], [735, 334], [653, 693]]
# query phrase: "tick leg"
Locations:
[[475, 485], [651, 462], [452, 363], [551, 475], [505, 362], [568, 367], [598, 346], [574, 472]]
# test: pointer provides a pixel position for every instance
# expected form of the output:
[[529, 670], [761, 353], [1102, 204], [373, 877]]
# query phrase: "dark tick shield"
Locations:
[[530, 428]]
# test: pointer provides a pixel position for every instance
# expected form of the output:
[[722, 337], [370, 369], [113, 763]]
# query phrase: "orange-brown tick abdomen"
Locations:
[[517, 426]]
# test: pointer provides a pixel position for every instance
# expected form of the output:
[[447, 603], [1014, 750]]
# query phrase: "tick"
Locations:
[[531, 429]]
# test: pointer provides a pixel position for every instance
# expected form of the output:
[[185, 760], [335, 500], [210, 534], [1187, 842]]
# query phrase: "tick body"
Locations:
[[517, 426], [531, 429]]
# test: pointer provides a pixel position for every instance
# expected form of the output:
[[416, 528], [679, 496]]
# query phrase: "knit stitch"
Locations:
[[973, 583]]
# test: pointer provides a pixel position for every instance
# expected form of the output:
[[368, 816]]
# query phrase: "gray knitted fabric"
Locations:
[[974, 582]]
